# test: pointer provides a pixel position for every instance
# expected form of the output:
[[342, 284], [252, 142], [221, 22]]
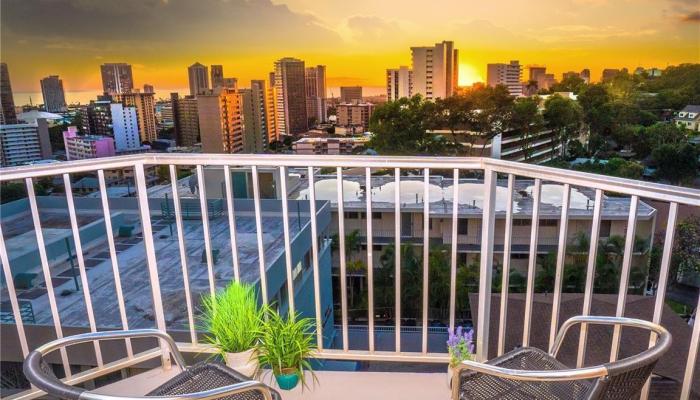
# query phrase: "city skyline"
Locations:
[[357, 47]]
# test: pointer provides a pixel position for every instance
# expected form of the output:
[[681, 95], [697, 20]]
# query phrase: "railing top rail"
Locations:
[[643, 189]]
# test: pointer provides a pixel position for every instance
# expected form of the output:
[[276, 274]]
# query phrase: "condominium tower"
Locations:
[[217, 76], [508, 75], [117, 78], [254, 113], [220, 121], [316, 93], [145, 110], [52, 92], [7, 103], [185, 119], [435, 70], [290, 92], [125, 127], [199, 79], [399, 83]]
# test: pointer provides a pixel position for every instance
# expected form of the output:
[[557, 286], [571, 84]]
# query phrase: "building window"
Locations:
[[522, 222], [463, 226], [548, 222], [605, 228], [352, 215], [376, 215]]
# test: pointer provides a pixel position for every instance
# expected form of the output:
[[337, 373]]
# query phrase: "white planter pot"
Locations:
[[245, 362]]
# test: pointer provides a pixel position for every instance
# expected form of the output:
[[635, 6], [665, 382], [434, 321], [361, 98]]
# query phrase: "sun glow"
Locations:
[[468, 75]]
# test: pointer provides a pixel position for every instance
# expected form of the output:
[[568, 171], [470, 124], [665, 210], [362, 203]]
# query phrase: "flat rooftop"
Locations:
[[131, 256], [470, 196]]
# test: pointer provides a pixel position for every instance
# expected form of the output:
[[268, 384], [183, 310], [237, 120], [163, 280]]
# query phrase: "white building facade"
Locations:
[[435, 70], [399, 83], [125, 127]]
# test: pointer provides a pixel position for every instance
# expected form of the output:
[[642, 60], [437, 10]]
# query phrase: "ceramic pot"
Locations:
[[288, 379], [244, 362]]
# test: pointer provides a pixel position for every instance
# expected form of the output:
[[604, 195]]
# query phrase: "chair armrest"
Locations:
[[663, 334], [241, 387], [536, 375], [114, 335]]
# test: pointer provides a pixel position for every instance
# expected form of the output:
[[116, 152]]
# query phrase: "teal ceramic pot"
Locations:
[[288, 379]]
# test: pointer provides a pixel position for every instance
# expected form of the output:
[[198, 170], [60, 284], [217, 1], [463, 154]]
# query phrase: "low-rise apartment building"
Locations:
[[24, 143], [326, 145], [86, 146]]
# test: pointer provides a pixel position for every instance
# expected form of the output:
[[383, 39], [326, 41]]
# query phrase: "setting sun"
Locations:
[[468, 75]]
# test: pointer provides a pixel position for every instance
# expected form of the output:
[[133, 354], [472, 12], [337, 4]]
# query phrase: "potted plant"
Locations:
[[460, 346], [233, 321], [285, 346]]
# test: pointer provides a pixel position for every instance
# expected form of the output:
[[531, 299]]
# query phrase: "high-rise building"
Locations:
[[145, 110], [87, 146], [220, 121], [185, 119], [508, 75], [125, 127], [348, 94], [199, 79], [435, 70], [290, 91], [24, 143], [117, 78], [399, 83], [355, 115], [52, 92], [8, 115], [217, 76], [148, 88], [271, 108], [230, 83], [570, 74], [97, 117], [586, 75], [316, 93], [546, 81], [254, 110], [535, 72]]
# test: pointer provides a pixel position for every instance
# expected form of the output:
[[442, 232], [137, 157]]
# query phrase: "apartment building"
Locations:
[[86, 146], [117, 78], [145, 111], [220, 121], [614, 215], [354, 115], [508, 75], [8, 115], [97, 117], [348, 94], [53, 94], [254, 114], [435, 70], [316, 93], [185, 119], [125, 128], [290, 92], [198, 78], [24, 143], [399, 83], [326, 145]]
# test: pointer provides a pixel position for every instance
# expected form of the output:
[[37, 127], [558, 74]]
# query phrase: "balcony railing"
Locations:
[[488, 168]]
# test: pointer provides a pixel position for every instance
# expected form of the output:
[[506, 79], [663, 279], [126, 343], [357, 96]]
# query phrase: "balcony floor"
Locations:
[[332, 385]]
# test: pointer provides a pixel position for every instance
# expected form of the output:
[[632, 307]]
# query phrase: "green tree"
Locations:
[[676, 163], [685, 256], [527, 119], [564, 117], [400, 127], [649, 138], [571, 83]]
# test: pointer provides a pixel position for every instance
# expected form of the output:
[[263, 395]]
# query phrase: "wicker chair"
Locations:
[[200, 381], [530, 373]]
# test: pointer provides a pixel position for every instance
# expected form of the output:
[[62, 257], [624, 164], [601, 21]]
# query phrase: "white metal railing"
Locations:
[[490, 168]]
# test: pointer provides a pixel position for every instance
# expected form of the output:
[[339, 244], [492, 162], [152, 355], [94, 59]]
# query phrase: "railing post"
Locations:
[[486, 264], [147, 231]]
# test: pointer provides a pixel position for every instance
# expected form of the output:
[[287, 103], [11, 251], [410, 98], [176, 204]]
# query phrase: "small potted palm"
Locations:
[[460, 346], [233, 322], [286, 346]]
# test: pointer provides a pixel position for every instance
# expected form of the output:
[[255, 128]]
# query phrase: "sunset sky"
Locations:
[[357, 40]]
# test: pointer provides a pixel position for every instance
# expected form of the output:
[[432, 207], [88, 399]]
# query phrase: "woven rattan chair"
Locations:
[[200, 381], [530, 373]]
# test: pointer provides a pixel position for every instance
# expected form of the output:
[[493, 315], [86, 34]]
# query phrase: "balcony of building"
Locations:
[[314, 233]]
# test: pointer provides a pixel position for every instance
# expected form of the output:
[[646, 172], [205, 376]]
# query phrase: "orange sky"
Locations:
[[357, 40]]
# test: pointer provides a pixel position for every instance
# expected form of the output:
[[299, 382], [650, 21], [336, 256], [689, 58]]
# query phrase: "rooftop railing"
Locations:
[[490, 169]]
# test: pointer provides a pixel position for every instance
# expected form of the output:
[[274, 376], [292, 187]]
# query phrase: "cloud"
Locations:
[[143, 23], [371, 28], [691, 17]]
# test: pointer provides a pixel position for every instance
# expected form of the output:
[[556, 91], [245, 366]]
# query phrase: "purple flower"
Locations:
[[460, 344]]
